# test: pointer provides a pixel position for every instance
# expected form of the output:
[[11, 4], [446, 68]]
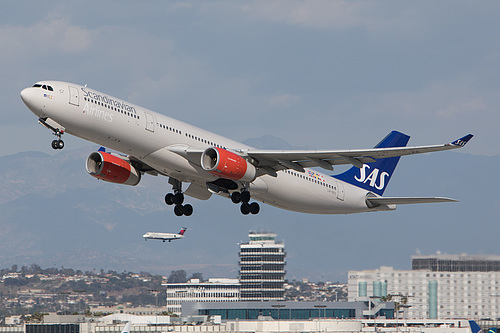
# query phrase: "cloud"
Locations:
[[58, 35], [377, 18], [445, 100], [314, 13], [283, 100], [463, 106]]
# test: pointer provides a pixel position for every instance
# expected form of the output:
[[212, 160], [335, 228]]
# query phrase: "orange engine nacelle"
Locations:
[[226, 164], [112, 168]]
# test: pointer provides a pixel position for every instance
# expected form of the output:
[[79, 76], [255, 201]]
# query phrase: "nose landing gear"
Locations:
[[56, 144]]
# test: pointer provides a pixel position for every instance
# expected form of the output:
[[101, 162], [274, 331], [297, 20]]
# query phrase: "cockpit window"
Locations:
[[45, 87]]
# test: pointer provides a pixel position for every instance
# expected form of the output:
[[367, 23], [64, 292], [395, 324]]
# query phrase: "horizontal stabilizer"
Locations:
[[377, 201]]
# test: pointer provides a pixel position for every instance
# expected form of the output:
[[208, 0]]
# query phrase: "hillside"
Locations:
[[54, 214]]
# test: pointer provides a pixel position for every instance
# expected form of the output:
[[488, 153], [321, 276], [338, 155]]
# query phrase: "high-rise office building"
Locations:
[[262, 268]]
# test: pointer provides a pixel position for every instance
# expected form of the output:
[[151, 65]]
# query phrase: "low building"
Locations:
[[290, 310], [133, 310], [213, 290]]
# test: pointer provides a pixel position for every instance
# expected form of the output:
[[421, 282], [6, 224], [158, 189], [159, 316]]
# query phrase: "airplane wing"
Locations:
[[298, 160], [270, 161]]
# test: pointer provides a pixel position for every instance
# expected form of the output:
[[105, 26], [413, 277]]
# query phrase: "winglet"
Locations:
[[102, 149], [462, 141]]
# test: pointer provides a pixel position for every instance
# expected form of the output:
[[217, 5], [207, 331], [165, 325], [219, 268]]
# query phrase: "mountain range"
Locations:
[[55, 214]]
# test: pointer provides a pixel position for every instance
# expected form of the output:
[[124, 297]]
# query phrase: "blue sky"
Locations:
[[322, 74], [318, 74]]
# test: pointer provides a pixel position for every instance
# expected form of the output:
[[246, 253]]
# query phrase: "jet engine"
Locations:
[[226, 164], [112, 168]]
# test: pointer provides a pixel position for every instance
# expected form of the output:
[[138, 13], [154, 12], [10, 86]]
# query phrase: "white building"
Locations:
[[213, 290], [439, 286]]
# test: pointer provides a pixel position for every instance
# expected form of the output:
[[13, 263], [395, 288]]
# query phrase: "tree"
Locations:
[[35, 268], [35, 317], [177, 277], [387, 298], [197, 276]]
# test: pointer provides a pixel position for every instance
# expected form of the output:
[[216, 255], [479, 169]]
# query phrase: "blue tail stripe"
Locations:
[[375, 176], [474, 327]]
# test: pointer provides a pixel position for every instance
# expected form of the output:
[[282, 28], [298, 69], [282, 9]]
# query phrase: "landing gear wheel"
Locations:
[[245, 197], [254, 208], [57, 144], [178, 210], [187, 210], [169, 199], [178, 198], [236, 197], [245, 208]]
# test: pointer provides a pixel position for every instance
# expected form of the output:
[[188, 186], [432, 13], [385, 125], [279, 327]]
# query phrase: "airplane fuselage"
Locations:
[[152, 138]]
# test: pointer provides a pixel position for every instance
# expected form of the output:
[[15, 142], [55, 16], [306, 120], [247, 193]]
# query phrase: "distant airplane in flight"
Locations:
[[156, 144], [164, 236]]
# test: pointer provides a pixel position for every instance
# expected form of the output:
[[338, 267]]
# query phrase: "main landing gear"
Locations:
[[246, 207], [177, 199]]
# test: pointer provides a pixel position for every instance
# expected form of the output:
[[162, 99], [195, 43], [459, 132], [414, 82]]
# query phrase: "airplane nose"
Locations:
[[24, 95], [29, 98]]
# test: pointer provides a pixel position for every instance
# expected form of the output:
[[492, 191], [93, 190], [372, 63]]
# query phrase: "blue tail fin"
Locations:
[[475, 327], [375, 176]]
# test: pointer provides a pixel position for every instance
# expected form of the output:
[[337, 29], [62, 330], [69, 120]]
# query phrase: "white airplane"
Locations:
[[164, 236], [156, 144]]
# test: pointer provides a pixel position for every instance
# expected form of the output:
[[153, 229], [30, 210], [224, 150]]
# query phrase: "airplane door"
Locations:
[[340, 191], [150, 122], [73, 96]]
